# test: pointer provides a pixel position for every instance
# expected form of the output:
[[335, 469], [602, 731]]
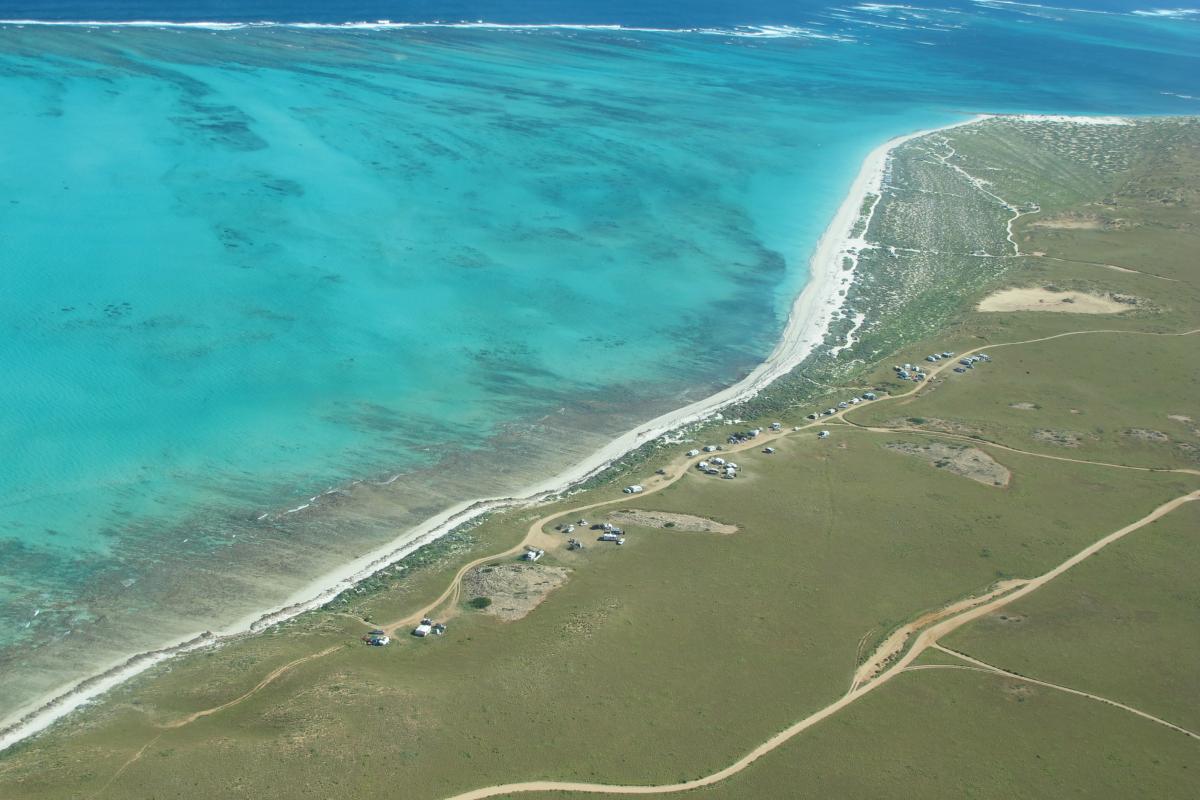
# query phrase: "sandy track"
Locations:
[[275, 673], [982, 666], [1113, 267], [925, 639], [676, 470], [933, 372], [986, 443]]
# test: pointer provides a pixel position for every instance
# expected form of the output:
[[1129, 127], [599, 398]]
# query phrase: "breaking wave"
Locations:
[[748, 31]]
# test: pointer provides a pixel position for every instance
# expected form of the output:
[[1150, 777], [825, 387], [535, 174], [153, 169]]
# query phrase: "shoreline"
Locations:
[[807, 324]]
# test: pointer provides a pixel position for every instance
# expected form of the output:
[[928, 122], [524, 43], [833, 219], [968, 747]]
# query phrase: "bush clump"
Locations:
[[480, 602]]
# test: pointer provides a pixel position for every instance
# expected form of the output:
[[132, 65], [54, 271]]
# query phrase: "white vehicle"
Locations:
[[720, 462], [424, 628], [691, 453], [636, 488], [533, 553], [710, 448], [823, 435]]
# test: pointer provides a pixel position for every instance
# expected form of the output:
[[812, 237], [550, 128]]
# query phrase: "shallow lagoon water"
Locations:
[[241, 269]]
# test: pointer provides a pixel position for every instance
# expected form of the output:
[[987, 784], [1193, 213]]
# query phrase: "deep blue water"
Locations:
[[409, 266], [653, 13]]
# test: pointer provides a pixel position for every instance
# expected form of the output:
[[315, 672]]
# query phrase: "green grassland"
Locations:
[[1115, 403], [1122, 625], [729, 638], [959, 734], [669, 657]]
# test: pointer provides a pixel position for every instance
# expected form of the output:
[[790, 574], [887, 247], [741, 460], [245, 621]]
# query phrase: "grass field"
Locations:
[[669, 657], [1122, 625], [729, 638], [952, 733]]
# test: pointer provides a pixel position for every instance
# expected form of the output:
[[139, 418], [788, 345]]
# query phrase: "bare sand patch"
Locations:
[[678, 522], [1072, 222], [1043, 299], [1024, 406], [1189, 450], [1147, 435], [1179, 417], [935, 424], [969, 462], [514, 589], [1059, 438]]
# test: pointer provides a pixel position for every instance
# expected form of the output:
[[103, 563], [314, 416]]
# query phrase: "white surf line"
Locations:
[[806, 328], [85, 691], [740, 31], [983, 666]]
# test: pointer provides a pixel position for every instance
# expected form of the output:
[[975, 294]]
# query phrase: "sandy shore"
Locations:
[[807, 324]]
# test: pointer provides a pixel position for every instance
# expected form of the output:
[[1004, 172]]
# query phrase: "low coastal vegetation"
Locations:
[[857, 561]]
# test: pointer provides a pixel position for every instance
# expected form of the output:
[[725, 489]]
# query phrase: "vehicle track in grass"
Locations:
[[921, 640], [975, 665], [676, 470]]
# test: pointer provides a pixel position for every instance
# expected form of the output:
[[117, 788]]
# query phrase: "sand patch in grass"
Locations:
[[514, 589], [1147, 435], [1044, 299], [969, 462], [677, 522], [1057, 437], [1072, 222]]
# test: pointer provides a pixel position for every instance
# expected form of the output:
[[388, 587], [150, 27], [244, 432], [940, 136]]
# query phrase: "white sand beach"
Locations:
[[807, 325]]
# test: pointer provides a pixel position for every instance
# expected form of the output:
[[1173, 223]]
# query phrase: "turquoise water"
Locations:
[[242, 268]]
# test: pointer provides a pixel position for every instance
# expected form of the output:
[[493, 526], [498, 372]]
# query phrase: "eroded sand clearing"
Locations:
[[514, 589], [1083, 222], [1042, 299], [1058, 437], [969, 462], [678, 522]]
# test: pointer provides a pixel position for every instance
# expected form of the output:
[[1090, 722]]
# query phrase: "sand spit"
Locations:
[[1042, 299], [670, 521], [807, 324]]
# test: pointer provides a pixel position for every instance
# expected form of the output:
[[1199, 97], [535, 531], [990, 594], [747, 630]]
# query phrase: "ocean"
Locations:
[[275, 289]]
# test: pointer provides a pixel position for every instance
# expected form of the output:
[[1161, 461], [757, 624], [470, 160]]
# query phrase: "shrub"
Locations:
[[480, 602]]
